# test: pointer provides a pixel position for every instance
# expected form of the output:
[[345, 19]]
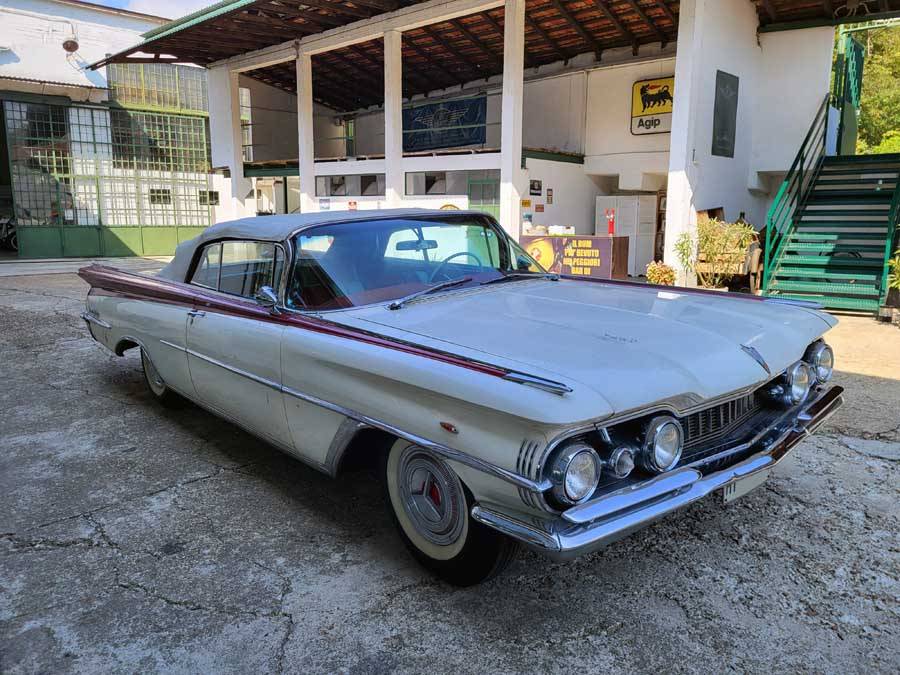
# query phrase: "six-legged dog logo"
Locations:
[[653, 95]]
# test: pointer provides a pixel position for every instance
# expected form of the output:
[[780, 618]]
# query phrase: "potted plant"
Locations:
[[660, 274], [893, 298], [716, 252]]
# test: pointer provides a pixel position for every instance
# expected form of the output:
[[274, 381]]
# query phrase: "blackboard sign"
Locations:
[[725, 114]]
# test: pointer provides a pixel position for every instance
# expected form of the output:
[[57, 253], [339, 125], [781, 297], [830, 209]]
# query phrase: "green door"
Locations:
[[484, 195]]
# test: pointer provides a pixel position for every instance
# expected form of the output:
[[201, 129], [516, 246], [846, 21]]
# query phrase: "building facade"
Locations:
[[98, 163]]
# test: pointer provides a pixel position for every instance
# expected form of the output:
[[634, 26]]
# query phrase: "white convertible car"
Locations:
[[502, 404]]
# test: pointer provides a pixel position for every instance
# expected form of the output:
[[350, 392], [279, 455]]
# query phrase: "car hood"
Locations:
[[631, 344]]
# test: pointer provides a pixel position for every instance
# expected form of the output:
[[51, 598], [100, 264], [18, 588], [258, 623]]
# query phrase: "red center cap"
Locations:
[[434, 493]]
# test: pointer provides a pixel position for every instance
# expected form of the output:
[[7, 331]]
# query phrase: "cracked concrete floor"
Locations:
[[137, 539]]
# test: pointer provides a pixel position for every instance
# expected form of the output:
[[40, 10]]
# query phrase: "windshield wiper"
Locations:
[[522, 275], [398, 304]]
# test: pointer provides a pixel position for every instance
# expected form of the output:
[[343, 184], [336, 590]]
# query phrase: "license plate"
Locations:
[[742, 486]]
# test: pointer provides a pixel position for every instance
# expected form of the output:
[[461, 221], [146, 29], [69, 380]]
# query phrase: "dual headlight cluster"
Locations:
[[816, 367], [576, 469]]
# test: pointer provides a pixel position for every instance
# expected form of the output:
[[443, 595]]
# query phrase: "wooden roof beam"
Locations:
[[578, 28], [647, 20], [339, 8], [770, 10], [614, 20], [491, 56], [474, 67], [545, 36], [665, 9], [449, 80]]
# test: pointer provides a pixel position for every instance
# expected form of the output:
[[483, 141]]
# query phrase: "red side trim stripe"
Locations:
[[108, 280]]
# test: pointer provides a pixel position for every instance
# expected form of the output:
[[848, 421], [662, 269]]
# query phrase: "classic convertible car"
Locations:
[[502, 405]]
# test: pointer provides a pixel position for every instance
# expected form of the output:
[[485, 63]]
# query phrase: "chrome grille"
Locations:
[[707, 426]]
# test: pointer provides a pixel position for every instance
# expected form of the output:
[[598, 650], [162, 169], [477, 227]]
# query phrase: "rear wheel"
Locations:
[[430, 507], [157, 386]]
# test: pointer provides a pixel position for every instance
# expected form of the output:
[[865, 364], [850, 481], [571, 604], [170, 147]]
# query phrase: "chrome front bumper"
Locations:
[[601, 521]]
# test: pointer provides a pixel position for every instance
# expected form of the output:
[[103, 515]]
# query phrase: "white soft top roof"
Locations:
[[279, 228]]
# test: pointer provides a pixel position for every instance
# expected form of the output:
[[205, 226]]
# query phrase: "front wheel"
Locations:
[[157, 386], [430, 508]]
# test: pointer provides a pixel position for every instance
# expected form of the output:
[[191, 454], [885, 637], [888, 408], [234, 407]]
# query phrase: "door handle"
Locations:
[[196, 312]]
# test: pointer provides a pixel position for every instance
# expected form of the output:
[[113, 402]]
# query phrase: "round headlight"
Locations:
[[798, 381], [821, 358], [575, 474], [662, 444], [621, 461]]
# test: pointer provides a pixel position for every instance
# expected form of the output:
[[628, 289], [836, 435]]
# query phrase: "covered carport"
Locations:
[[338, 58]]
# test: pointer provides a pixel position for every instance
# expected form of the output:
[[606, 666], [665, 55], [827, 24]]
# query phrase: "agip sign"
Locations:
[[651, 106]]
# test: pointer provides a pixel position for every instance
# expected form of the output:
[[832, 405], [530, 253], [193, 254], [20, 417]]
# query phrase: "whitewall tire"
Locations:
[[430, 507], [157, 385]]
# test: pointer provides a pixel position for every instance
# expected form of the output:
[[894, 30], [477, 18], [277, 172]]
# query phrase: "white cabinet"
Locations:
[[635, 219]]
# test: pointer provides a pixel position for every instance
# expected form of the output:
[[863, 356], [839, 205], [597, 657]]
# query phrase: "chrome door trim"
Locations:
[[90, 317], [237, 371], [366, 421]]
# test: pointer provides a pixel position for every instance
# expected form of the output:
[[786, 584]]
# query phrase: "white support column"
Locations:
[[681, 214], [511, 174], [305, 135], [393, 119], [226, 142]]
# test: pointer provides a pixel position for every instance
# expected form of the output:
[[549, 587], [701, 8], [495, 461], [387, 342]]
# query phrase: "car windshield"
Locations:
[[359, 263]]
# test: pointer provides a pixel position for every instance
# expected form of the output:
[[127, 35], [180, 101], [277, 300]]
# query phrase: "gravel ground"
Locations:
[[137, 539]]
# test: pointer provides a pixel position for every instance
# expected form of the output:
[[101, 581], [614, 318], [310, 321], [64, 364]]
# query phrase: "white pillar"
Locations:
[[226, 142], [305, 136], [511, 174], [393, 119], [681, 214]]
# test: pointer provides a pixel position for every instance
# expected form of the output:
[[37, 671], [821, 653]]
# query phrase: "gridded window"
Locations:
[[159, 142], [160, 196], [40, 162], [426, 183], [158, 85], [246, 124], [208, 197], [92, 166]]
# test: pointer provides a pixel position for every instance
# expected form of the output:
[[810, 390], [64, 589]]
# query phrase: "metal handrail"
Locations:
[[892, 223], [795, 189]]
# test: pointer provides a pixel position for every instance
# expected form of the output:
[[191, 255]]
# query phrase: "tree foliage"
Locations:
[[879, 118]]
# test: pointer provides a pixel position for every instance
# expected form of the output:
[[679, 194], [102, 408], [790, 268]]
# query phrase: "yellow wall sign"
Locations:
[[651, 106]]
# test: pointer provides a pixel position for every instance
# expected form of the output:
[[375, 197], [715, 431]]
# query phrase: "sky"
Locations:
[[171, 9]]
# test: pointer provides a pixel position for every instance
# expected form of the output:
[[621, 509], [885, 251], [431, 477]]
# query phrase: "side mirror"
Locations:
[[267, 297]]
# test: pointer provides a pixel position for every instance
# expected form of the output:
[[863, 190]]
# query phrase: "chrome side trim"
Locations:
[[90, 317], [365, 420], [539, 383], [172, 345], [251, 430], [237, 371], [437, 448]]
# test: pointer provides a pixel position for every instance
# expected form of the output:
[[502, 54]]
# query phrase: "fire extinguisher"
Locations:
[[610, 222]]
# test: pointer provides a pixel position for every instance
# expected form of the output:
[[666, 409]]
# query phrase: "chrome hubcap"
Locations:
[[432, 497]]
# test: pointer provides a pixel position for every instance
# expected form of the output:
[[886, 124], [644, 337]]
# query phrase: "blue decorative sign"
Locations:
[[446, 124]]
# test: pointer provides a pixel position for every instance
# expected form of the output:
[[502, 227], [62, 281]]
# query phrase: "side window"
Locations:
[[207, 272], [247, 266]]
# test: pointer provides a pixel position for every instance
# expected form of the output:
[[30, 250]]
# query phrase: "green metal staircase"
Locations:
[[831, 228]]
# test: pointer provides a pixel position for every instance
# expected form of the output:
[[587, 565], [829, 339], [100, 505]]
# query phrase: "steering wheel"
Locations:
[[451, 257]]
